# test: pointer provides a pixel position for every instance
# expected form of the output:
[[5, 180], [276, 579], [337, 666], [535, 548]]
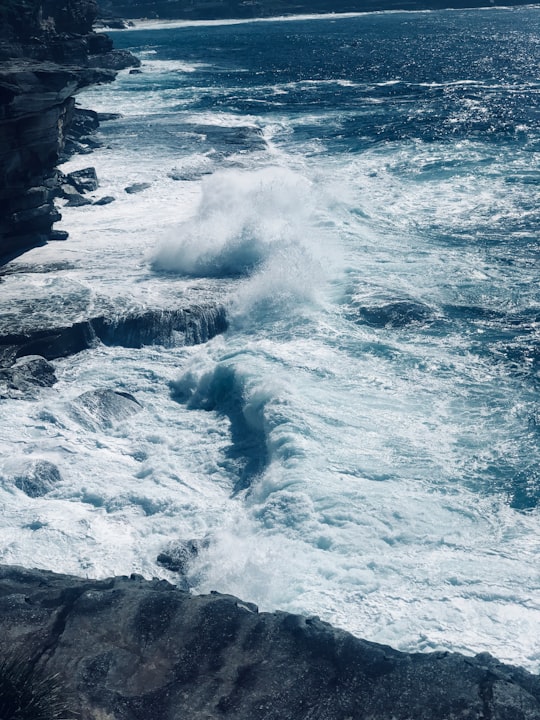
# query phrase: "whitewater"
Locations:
[[360, 194]]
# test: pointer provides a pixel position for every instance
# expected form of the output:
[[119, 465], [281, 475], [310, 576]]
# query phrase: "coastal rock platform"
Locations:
[[130, 648]]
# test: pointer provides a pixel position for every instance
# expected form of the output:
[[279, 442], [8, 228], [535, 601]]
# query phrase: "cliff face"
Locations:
[[126, 648], [48, 53]]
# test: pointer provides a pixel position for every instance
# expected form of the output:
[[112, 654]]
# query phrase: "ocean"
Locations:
[[361, 194]]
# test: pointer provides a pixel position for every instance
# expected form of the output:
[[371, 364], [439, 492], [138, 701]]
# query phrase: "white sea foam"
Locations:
[[139, 24], [243, 220]]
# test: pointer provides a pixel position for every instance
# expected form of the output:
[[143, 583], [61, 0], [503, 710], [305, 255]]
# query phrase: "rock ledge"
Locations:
[[127, 648]]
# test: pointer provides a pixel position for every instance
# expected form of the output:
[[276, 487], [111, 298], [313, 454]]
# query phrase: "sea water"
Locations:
[[361, 444]]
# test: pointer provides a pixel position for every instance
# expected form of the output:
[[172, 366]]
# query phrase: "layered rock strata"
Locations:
[[126, 648], [48, 53]]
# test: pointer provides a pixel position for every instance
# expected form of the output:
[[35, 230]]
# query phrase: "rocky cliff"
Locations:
[[126, 648], [48, 53]]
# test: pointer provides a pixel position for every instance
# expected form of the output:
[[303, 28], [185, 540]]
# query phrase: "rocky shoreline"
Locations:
[[129, 648], [126, 648], [48, 53]]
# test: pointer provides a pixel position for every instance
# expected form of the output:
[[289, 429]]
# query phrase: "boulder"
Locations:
[[32, 370], [38, 478], [105, 200], [77, 200], [137, 187], [83, 180], [103, 408]]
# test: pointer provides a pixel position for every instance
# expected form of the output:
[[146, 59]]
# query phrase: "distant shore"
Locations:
[[174, 15]]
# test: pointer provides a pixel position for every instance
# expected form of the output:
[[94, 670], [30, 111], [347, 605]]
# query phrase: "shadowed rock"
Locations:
[[39, 478], [137, 187], [103, 408], [183, 326], [130, 648], [397, 314], [25, 375]]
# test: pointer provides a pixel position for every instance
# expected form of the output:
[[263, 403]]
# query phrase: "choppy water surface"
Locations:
[[362, 443]]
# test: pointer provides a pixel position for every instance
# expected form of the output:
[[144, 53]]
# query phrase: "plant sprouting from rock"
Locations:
[[27, 692]]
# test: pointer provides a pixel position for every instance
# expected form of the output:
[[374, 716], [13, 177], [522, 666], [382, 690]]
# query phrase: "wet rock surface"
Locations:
[[103, 407], [28, 372], [190, 325], [129, 648], [39, 478]]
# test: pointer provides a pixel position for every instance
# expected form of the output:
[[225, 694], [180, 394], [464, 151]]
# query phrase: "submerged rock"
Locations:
[[104, 407], [39, 478], [178, 556], [137, 187], [128, 648], [397, 314], [105, 200]]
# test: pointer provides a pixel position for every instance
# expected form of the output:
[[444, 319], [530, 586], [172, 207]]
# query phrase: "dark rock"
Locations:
[[103, 408], [105, 117], [36, 219], [129, 648], [135, 71], [90, 142], [137, 187], [67, 191], [113, 23], [114, 60], [53, 343], [83, 122], [39, 478], [25, 374], [105, 200], [77, 200], [397, 314], [48, 53], [73, 147], [98, 43], [184, 326], [58, 235], [178, 556], [84, 180]]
